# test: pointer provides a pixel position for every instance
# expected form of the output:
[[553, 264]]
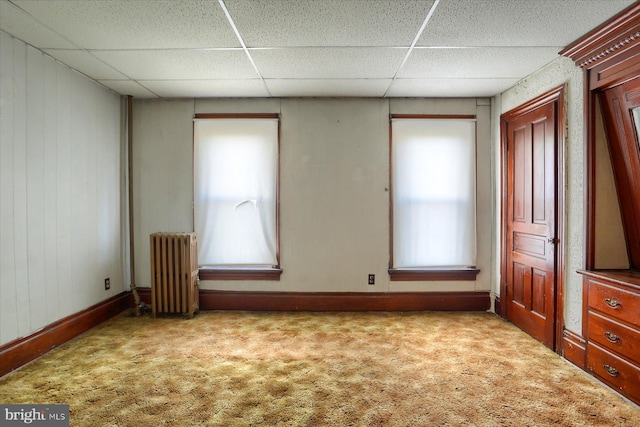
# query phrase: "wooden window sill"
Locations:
[[208, 273], [433, 274]]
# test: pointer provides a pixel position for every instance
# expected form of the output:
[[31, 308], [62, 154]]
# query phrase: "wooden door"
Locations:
[[531, 210]]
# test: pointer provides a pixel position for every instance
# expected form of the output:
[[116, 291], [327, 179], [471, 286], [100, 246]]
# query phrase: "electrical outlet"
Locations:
[[107, 284], [372, 279]]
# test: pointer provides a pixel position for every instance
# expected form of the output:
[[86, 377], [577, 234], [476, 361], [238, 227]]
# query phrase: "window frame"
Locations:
[[425, 273], [242, 273]]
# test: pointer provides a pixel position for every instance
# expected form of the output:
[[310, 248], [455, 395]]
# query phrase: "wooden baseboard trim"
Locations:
[[338, 301], [145, 296], [23, 350], [497, 307], [574, 348], [345, 301]]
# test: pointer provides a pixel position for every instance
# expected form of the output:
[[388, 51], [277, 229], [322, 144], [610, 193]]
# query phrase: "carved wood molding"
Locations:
[[600, 56], [611, 38]]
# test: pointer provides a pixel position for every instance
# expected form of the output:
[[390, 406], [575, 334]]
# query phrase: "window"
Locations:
[[236, 196], [433, 198]]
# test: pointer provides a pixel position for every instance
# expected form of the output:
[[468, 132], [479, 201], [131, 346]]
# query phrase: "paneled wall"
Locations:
[[60, 186], [334, 201]]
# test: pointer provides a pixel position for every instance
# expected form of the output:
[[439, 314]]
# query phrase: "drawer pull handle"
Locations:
[[611, 370], [611, 337], [612, 303]]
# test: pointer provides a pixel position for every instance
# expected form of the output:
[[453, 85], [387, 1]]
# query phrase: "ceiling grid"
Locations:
[[304, 48]]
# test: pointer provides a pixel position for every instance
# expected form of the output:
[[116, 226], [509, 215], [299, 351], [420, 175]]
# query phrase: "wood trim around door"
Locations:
[[553, 96]]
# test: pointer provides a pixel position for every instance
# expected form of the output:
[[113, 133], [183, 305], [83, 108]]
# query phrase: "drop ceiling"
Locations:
[[304, 48]]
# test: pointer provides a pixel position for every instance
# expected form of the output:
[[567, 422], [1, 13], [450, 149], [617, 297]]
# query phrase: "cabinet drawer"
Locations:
[[617, 373], [614, 336], [615, 302]]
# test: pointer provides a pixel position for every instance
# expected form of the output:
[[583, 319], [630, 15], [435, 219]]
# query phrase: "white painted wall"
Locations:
[[60, 177], [559, 72], [162, 174], [334, 202]]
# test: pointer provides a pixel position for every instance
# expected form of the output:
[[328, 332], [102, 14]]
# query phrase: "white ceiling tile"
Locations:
[[326, 63], [128, 87], [180, 64], [22, 26], [516, 23], [269, 23], [481, 62], [207, 88], [328, 87], [304, 47], [86, 64], [449, 87], [139, 24]]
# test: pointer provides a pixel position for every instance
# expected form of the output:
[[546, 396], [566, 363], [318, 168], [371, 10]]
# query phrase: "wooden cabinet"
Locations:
[[612, 325], [609, 55]]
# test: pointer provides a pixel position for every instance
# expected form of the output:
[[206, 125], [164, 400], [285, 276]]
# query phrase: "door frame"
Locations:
[[553, 96]]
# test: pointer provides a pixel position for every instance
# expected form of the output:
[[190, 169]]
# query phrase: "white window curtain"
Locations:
[[433, 164], [235, 190]]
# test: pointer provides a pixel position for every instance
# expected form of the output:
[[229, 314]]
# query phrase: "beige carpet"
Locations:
[[315, 369]]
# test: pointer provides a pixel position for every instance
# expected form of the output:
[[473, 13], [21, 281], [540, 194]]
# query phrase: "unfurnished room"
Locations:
[[320, 213]]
